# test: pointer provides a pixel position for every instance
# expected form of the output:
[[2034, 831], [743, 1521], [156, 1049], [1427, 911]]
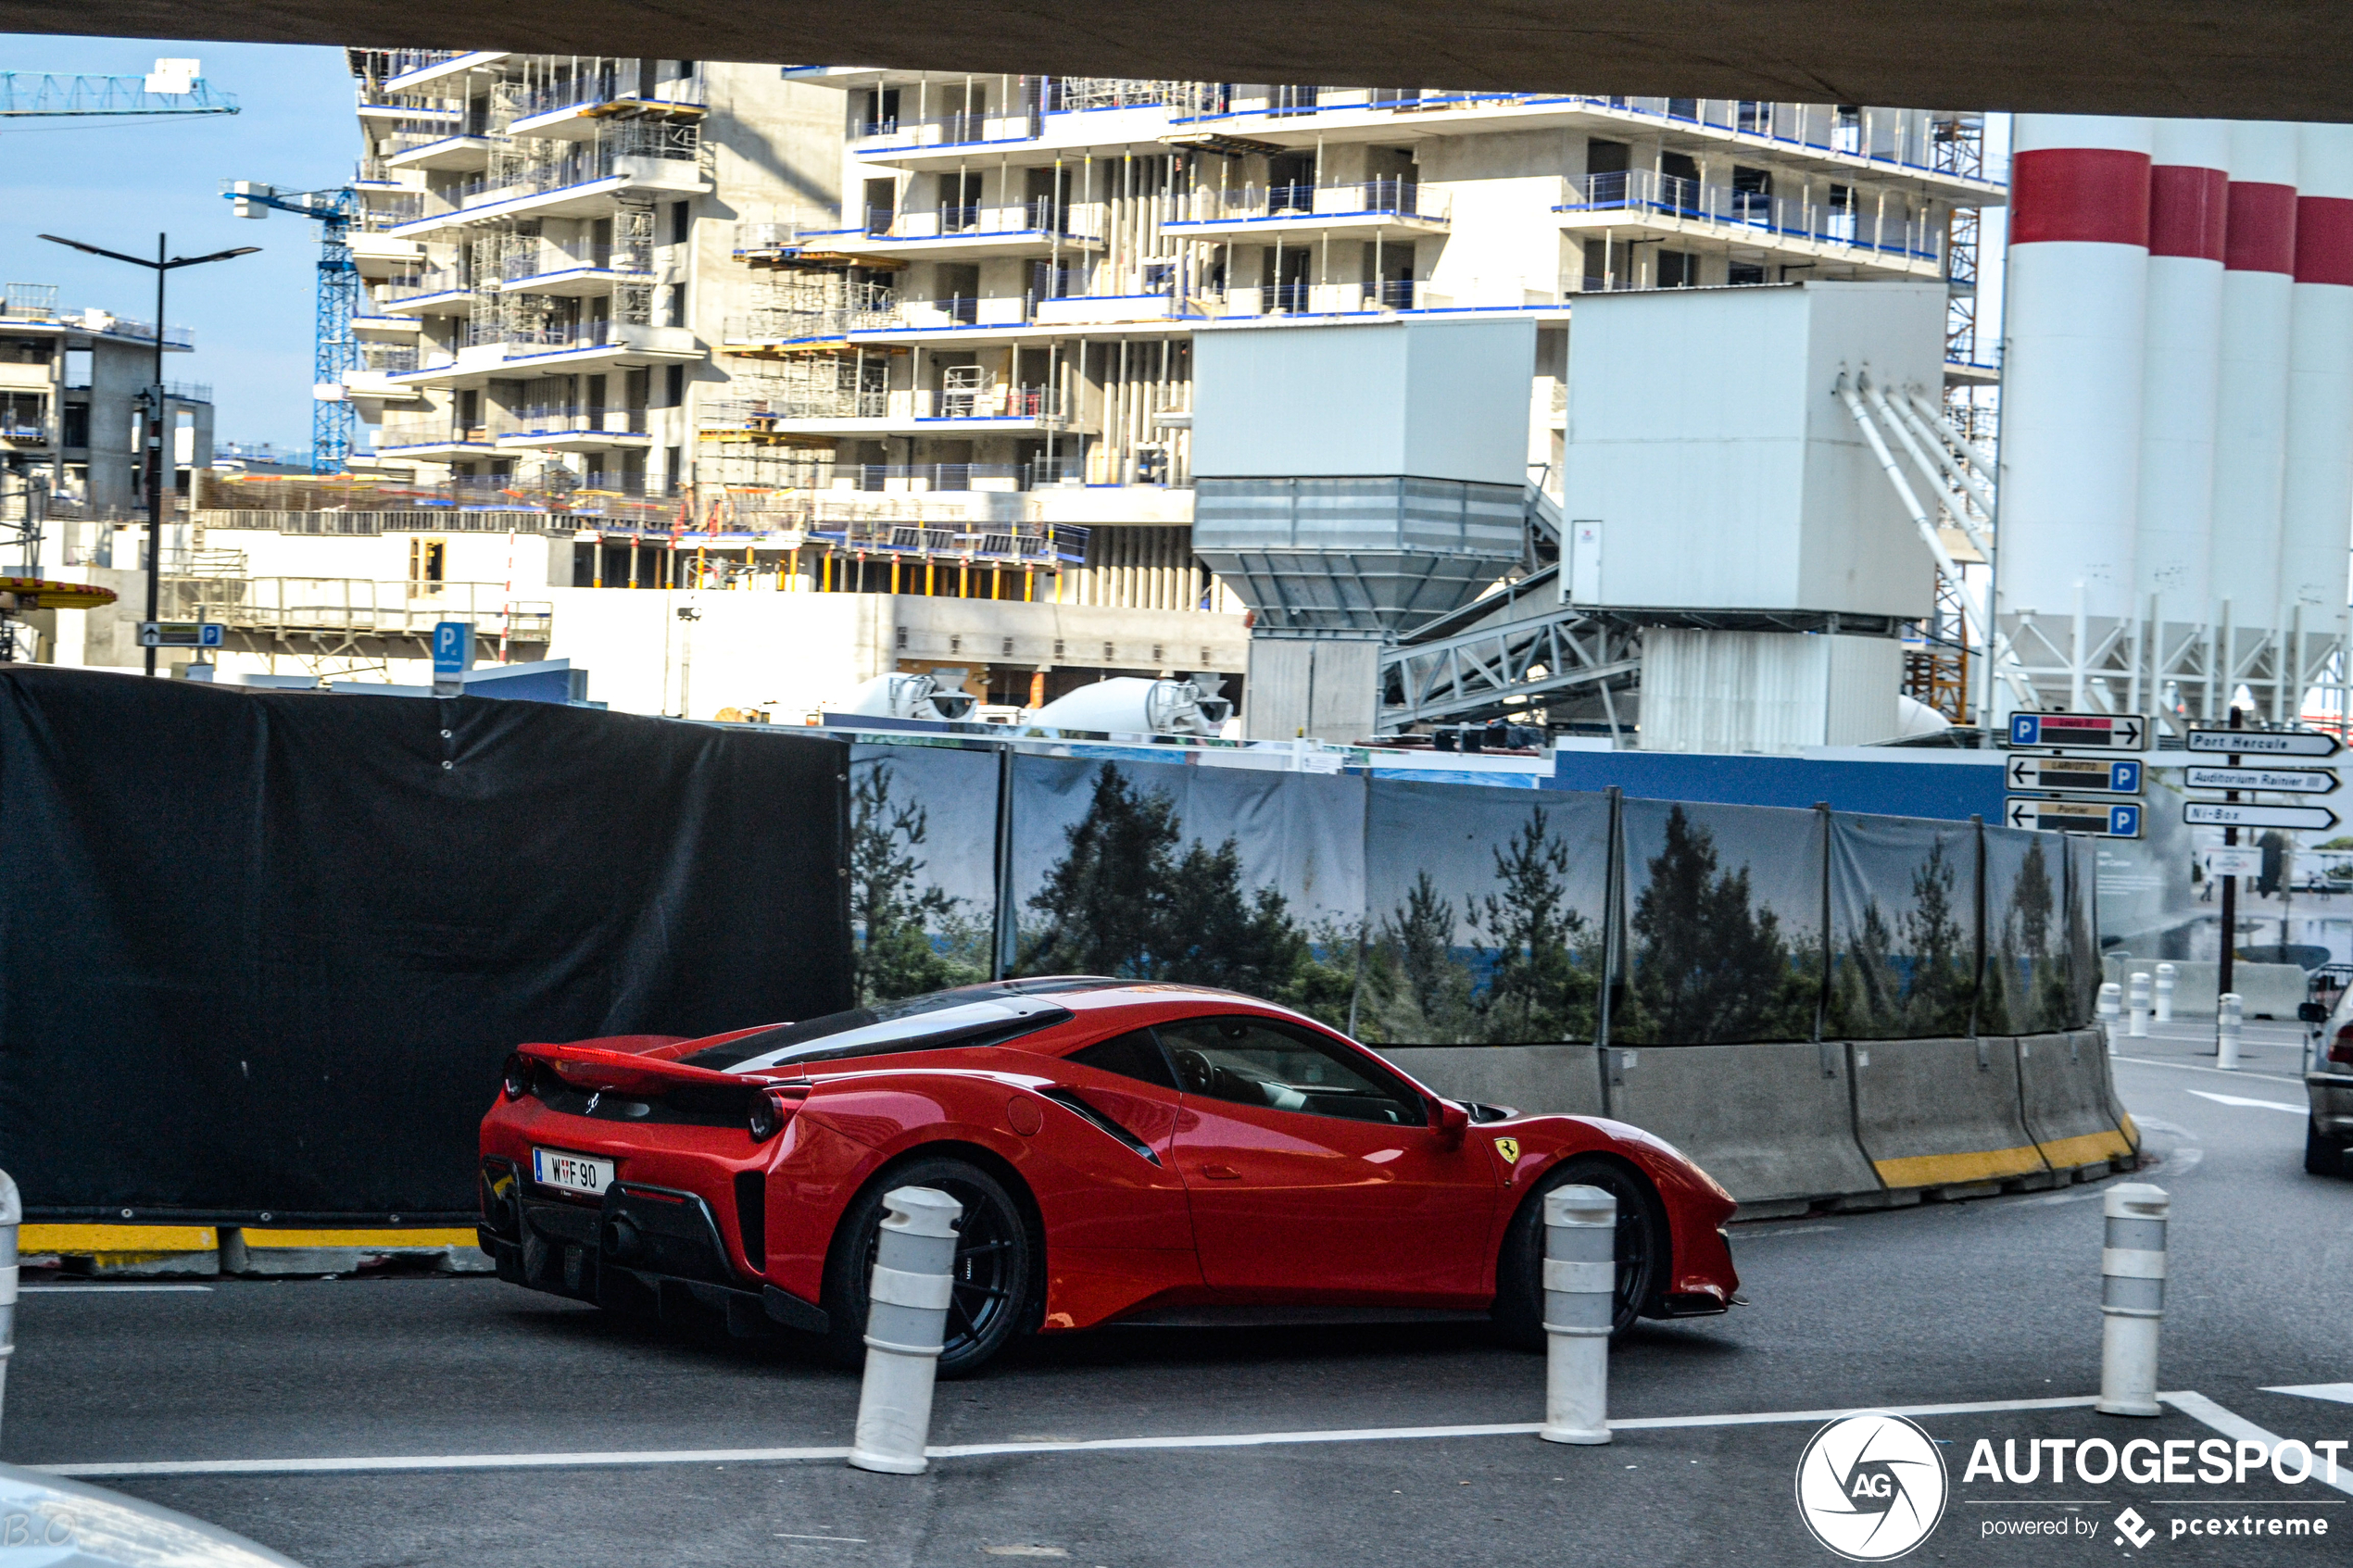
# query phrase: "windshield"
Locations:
[[970, 1015]]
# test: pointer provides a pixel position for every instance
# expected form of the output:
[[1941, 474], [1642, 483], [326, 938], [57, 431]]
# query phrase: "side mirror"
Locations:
[[1448, 1122], [2312, 1012]]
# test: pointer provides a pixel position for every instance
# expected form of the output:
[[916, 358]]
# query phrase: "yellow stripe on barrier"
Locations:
[[80, 1240], [367, 1240], [2087, 1148], [2132, 1131], [1940, 1170]]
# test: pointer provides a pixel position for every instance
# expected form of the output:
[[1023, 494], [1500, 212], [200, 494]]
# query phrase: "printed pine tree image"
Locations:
[[1708, 966], [1917, 978], [2025, 977], [908, 937]]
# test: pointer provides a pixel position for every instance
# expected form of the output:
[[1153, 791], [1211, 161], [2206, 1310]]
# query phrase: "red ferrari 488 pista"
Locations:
[[1124, 1152]]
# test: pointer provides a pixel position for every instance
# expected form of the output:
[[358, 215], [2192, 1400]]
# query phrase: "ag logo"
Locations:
[[1870, 1487], [1509, 1150]]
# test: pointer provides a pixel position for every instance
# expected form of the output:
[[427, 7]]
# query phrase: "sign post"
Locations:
[[180, 633], [453, 655], [2101, 818], [2081, 731], [2084, 775]]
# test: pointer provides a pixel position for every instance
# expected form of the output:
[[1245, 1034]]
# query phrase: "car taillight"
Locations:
[[518, 1080], [2342, 1051], [770, 1110]]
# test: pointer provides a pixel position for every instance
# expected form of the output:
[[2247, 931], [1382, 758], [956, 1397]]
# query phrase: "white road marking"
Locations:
[[104, 1289], [2201, 1409], [968, 1450], [2193, 1067], [830, 1540], [1792, 1230], [2253, 1104], [2340, 1392]]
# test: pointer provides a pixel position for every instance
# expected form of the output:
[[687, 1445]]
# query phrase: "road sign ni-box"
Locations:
[[2099, 818], [2086, 775], [2237, 814], [2091, 732]]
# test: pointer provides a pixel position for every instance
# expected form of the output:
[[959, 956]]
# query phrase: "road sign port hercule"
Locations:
[[2263, 742], [2283, 781], [2085, 775], [2099, 818], [2231, 814], [2092, 731]]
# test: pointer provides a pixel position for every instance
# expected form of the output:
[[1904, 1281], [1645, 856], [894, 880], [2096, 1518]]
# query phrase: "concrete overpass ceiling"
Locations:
[[2276, 60]]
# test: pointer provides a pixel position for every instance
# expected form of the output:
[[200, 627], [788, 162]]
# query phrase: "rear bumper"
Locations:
[[643, 1249], [2332, 1102]]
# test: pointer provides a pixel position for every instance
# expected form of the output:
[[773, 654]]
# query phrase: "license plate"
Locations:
[[575, 1172]]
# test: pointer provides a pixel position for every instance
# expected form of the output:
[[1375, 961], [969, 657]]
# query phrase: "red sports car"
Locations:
[[1124, 1152]]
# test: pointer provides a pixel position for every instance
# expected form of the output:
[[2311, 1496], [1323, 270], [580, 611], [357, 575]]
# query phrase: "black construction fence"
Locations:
[[262, 952]]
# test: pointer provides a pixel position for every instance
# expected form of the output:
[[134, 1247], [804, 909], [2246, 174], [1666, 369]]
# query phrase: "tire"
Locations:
[[2324, 1156], [997, 1274], [1644, 1250]]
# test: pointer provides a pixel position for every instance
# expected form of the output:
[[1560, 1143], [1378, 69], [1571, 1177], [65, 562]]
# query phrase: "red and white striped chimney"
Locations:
[[2316, 507], [2074, 328], [2250, 432], [2188, 189]]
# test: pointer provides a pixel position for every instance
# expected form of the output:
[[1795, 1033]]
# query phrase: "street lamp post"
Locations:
[[159, 471]]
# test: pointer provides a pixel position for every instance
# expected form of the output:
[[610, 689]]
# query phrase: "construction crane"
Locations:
[[173, 87], [336, 352]]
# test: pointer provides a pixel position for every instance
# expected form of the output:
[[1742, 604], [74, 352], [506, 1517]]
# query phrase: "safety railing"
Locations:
[[1042, 216], [580, 163], [1397, 196], [946, 130], [422, 285], [428, 430], [1642, 191], [562, 419], [360, 607], [1040, 403], [609, 82], [549, 257]]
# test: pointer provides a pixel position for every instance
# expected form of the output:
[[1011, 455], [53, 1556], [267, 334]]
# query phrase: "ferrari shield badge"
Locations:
[[1509, 1150]]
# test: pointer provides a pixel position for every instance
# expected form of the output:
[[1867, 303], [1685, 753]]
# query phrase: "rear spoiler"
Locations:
[[611, 1064]]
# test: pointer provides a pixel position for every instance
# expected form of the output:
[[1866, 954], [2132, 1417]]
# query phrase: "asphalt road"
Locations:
[[1990, 1300]]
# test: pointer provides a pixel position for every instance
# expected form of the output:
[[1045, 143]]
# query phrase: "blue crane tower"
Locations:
[[336, 352]]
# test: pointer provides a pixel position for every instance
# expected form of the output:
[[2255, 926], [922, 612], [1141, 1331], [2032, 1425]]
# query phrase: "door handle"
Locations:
[[1221, 1172]]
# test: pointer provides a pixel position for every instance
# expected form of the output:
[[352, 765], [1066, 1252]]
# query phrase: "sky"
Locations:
[[115, 182]]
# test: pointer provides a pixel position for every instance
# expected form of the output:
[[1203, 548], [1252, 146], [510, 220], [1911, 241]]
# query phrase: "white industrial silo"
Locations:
[[2075, 327], [2189, 182], [2250, 430], [2316, 507]]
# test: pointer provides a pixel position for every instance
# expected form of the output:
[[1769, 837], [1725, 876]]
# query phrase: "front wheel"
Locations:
[[994, 1291], [2324, 1156], [1644, 1250]]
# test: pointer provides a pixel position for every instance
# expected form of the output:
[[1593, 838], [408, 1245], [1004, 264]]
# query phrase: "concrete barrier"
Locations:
[[2088, 1040], [1942, 1115], [278, 1251], [124, 1251], [2273, 990], [2063, 1099], [1564, 1079], [1773, 1123]]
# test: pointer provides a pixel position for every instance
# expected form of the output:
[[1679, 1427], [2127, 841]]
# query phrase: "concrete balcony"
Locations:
[[574, 110], [568, 188], [381, 256], [1366, 209], [386, 328], [565, 273], [967, 234], [1021, 318], [434, 437], [416, 68], [585, 346], [573, 430], [1015, 410], [1642, 206], [462, 153], [379, 386], [437, 293]]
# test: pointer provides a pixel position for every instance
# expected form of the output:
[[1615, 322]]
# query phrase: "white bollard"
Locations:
[[2112, 1007], [2132, 1298], [11, 1217], [1580, 1298], [906, 1322], [2166, 975], [2137, 1006], [2230, 1010]]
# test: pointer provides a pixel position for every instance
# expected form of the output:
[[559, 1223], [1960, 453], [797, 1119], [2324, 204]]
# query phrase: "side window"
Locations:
[[1133, 1055], [1250, 1061]]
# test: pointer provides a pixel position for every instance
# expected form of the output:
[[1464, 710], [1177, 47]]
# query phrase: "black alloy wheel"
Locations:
[[993, 1290], [1644, 1250]]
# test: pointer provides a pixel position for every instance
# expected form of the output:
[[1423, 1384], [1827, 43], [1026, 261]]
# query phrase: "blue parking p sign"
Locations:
[[453, 649]]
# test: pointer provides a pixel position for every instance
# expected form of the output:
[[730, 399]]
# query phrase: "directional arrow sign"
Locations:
[[2264, 743], [2092, 775], [2286, 780], [2230, 814], [2074, 816], [2102, 731]]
